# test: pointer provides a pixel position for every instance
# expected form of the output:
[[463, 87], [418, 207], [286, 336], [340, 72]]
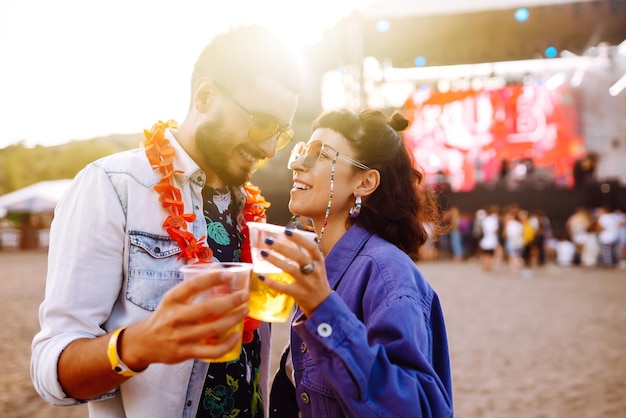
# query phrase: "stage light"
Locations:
[[577, 77], [477, 84], [619, 85], [555, 81], [383, 25], [528, 80], [495, 82], [605, 188], [551, 52], [522, 14], [434, 161], [420, 61]]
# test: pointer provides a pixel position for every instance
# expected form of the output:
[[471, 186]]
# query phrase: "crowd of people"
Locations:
[[595, 237], [525, 238]]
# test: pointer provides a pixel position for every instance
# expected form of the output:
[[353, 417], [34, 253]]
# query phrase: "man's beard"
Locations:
[[212, 140]]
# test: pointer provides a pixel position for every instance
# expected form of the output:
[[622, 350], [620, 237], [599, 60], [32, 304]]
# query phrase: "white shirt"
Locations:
[[514, 232], [490, 226], [565, 251], [609, 224], [110, 262]]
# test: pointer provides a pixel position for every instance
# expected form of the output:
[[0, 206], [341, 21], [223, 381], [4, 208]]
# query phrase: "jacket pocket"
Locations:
[[152, 268]]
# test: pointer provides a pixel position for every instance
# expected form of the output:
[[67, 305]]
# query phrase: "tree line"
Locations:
[[21, 166]]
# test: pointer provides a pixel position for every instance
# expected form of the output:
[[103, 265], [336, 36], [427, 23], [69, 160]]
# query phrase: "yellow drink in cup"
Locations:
[[267, 304], [239, 279], [231, 355]]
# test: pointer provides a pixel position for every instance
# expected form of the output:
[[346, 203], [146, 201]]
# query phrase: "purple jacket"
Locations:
[[377, 347]]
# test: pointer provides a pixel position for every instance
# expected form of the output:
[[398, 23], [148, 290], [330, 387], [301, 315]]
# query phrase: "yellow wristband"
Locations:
[[117, 365]]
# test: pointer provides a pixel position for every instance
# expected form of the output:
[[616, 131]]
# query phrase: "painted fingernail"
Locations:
[[269, 241], [288, 232], [261, 277], [264, 253]]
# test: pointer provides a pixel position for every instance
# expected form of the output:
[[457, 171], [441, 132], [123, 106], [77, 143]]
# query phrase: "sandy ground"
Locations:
[[553, 345]]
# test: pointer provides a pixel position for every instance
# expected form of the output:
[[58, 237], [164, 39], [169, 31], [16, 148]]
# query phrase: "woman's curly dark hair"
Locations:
[[402, 210]]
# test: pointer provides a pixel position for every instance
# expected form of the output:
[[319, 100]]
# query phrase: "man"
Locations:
[[608, 236], [117, 326]]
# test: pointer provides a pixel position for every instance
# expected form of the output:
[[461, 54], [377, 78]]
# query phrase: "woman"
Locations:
[[369, 336], [578, 224], [513, 239]]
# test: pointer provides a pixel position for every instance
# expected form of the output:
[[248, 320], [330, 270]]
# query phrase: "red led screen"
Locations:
[[467, 135]]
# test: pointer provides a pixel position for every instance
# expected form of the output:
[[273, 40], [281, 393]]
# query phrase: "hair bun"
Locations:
[[398, 122]]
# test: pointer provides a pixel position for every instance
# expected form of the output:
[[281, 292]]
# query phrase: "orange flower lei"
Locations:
[[161, 156]]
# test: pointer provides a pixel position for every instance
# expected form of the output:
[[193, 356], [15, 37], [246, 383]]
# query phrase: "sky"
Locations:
[[78, 69]]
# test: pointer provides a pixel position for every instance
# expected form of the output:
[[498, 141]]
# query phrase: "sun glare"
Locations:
[[298, 23], [116, 66]]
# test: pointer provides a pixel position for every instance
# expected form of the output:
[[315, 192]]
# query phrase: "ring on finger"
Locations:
[[307, 268]]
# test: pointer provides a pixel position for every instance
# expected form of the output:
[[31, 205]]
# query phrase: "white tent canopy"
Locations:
[[37, 198]]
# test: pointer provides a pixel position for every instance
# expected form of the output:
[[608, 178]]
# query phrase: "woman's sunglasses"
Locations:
[[310, 154], [264, 128]]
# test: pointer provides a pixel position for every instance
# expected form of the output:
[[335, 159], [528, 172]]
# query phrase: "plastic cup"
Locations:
[[238, 279], [266, 304]]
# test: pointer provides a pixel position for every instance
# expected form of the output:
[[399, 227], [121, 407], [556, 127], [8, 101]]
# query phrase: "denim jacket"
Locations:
[[110, 263], [377, 347]]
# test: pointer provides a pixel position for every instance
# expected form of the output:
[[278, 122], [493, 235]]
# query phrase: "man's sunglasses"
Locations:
[[264, 128], [310, 154]]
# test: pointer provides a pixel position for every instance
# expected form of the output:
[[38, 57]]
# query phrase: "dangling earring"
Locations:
[[355, 210]]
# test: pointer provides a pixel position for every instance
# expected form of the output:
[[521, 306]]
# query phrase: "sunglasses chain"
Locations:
[[330, 201]]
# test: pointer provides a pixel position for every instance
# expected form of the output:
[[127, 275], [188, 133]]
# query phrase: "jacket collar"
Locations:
[[344, 252], [190, 171]]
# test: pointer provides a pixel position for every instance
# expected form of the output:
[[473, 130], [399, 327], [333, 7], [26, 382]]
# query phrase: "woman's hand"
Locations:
[[311, 286]]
